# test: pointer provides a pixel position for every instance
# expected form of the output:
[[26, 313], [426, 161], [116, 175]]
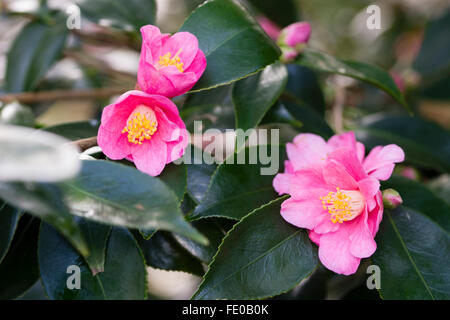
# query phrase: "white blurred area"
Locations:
[[171, 285]]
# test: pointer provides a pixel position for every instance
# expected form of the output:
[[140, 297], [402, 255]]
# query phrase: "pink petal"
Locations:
[[376, 215], [362, 243], [344, 140], [308, 151], [176, 149], [183, 43], [150, 157], [334, 252], [198, 65], [151, 44], [303, 214], [114, 144], [337, 176], [369, 187], [381, 161], [174, 83], [348, 158], [281, 183], [360, 151], [308, 183], [167, 130], [315, 237]]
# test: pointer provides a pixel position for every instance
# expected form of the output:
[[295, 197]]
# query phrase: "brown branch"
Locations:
[[27, 97], [84, 144]]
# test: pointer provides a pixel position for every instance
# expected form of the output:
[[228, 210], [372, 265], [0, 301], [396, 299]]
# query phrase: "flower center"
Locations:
[[167, 60], [343, 205], [141, 125]]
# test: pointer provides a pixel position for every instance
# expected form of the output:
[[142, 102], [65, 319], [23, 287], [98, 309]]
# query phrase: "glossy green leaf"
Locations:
[[365, 72], [124, 276], [211, 229], [121, 195], [282, 13], [253, 96], [9, 217], [234, 44], [262, 256], [236, 189], [441, 187], [418, 197], [304, 85], [129, 15], [75, 130], [162, 251], [413, 254], [425, 143], [214, 108], [33, 52], [45, 201], [19, 269], [199, 174], [175, 176], [97, 235]]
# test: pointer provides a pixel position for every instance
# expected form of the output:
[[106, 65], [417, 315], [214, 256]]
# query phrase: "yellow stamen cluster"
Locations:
[[166, 60], [338, 205], [140, 127]]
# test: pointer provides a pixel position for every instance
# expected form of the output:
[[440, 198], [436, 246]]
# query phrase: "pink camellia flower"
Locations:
[[169, 65], [335, 193], [293, 38], [143, 128]]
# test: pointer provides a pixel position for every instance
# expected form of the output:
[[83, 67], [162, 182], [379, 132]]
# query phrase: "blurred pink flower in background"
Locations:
[[143, 128], [335, 193], [169, 65], [269, 27]]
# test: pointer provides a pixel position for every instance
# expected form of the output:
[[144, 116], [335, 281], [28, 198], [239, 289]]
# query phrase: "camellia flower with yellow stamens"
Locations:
[[335, 193], [143, 128], [169, 65]]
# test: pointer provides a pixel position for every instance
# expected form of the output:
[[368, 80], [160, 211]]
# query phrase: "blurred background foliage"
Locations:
[[65, 76]]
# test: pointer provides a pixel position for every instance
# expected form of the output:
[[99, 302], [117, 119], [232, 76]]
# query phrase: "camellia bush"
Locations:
[[242, 146]]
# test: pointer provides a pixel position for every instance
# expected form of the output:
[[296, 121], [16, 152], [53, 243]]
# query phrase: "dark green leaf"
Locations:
[[425, 143], [45, 201], [253, 96], [162, 251], [97, 239], [365, 72], [413, 254], [124, 276], [175, 177], [127, 15], [234, 44], [282, 12], [9, 217], [417, 197], [75, 130], [237, 189], [262, 256], [19, 269], [34, 51], [211, 230], [441, 187], [120, 195], [304, 85]]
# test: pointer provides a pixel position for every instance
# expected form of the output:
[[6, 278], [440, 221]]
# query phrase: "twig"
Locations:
[[84, 144], [27, 97]]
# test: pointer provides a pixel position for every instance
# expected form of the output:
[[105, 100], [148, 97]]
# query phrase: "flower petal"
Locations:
[[381, 161], [183, 43], [150, 157], [303, 214], [307, 151]]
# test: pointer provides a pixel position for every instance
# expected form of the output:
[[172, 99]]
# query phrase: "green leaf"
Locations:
[[211, 230], [253, 96], [213, 107], [129, 15], [262, 256], [425, 143], [441, 187], [304, 85], [175, 176], [283, 13], [9, 217], [162, 251], [124, 276], [236, 189], [75, 130], [418, 197], [234, 44], [19, 268], [121, 195], [45, 201], [199, 174], [33, 52], [365, 72], [97, 235], [413, 254]]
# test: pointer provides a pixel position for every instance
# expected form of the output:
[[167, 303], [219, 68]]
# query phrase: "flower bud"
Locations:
[[391, 199], [293, 38]]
